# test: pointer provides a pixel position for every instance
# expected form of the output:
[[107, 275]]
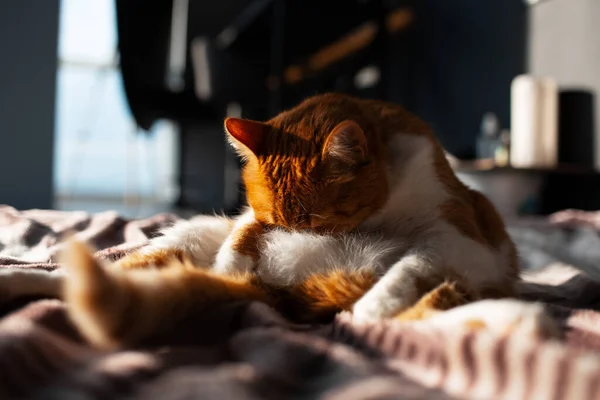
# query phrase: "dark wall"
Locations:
[[564, 45], [462, 58], [28, 50], [452, 65], [202, 166]]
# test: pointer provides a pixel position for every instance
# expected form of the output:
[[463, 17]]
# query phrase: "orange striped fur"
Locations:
[[157, 259], [246, 240]]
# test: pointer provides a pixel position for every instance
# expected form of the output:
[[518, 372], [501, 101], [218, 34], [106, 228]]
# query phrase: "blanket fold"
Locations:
[[248, 351]]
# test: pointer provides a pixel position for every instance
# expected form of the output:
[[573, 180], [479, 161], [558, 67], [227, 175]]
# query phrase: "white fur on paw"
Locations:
[[373, 309], [16, 283], [229, 261], [501, 317], [365, 312], [199, 239]]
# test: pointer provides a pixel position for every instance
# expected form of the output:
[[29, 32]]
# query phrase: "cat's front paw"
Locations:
[[369, 310], [231, 262]]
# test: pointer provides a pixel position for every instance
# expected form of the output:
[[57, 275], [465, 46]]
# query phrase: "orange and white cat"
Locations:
[[352, 205]]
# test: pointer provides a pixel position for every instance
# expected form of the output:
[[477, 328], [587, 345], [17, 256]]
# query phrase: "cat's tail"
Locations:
[[112, 307], [321, 296]]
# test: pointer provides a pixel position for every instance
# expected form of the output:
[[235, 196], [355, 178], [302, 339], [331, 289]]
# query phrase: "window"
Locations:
[[102, 161]]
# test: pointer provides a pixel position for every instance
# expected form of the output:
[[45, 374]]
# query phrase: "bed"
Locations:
[[248, 351]]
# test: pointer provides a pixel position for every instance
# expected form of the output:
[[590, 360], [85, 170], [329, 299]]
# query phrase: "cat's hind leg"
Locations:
[[399, 289], [112, 307]]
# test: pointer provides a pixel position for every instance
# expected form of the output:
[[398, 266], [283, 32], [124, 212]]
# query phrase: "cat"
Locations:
[[352, 205]]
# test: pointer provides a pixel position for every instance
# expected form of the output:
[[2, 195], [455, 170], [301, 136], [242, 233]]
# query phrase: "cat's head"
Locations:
[[318, 166]]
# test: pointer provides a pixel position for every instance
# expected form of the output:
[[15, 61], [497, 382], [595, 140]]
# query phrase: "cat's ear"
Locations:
[[346, 146], [247, 136]]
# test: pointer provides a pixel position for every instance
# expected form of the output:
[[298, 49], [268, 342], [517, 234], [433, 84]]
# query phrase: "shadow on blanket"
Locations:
[[248, 351]]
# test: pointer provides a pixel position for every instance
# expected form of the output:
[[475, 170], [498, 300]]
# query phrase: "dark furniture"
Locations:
[[448, 62], [518, 192]]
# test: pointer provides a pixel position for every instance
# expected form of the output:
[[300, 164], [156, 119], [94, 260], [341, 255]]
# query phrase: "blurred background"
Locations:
[[119, 105]]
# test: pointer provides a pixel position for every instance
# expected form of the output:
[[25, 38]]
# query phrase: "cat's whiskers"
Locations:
[[302, 205]]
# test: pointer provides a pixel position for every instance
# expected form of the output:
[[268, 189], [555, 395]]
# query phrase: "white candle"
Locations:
[[534, 122]]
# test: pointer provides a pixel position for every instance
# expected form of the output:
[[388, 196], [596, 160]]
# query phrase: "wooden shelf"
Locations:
[[487, 166]]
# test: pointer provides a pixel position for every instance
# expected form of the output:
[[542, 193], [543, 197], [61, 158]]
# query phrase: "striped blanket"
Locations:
[[247, 351]]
